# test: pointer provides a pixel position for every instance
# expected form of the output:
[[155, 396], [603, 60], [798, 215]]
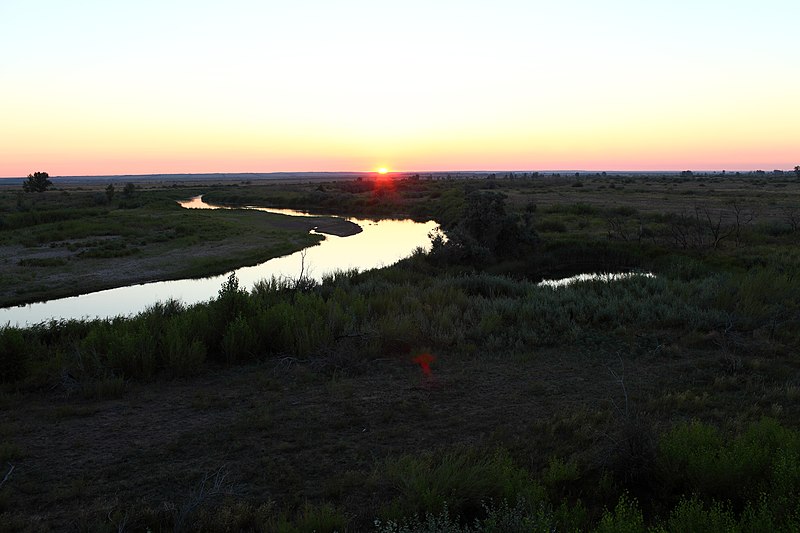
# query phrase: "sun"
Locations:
[[383, 170]]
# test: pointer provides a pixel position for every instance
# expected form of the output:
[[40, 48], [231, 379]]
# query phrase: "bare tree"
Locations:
[[304, 281], [681, 228], [792, 216], [714, 224], [742, 217], [707, 228], [616, 227]]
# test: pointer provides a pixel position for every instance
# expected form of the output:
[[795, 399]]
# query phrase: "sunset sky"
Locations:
[[138, 87]]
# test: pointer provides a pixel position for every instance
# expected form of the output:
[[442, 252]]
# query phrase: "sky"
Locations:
[[171, 86]]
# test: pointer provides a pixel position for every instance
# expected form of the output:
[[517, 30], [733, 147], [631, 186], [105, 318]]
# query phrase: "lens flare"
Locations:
[[424, 361]]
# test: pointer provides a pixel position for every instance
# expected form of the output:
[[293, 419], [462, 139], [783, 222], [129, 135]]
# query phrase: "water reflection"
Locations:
[[197, 202], [555, 283], [381, 243]]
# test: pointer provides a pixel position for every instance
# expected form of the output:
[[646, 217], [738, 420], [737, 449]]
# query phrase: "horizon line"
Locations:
[[471, 171]]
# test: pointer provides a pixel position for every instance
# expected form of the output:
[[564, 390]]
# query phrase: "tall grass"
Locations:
[[396, 311], [748, 483]]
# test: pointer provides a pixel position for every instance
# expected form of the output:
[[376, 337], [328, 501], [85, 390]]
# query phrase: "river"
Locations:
[[379, 244]]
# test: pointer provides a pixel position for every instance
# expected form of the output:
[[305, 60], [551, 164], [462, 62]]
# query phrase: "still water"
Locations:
[[381, 243], [600, 276]]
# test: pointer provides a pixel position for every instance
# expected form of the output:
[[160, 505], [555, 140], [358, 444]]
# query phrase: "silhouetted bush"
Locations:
[[13, 355]]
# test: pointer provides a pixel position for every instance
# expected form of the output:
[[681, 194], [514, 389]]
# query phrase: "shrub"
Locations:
[[233, 516], [240, 342], [324, 518], [500, 518], [626, 518], [694, 459], [13, 354], [559, 476], [440, 522], [692, 515], [184, 356], [462, 480]]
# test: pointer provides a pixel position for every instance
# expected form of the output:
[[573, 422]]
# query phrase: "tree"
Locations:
[[37, 182], [110, 192], [797, 171], [486, 231], [129, 189]]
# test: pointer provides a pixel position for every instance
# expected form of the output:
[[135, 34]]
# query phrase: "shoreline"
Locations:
[[144, 249]]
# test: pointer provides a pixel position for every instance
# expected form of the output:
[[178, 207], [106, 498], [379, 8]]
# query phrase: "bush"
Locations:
[[460, 480], [501, 518], [693, 515], [13, 355], [240, 342], [184, 356], [440, 522], [626, 518], [693, 458]]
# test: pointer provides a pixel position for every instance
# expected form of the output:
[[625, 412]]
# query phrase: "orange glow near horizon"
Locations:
[[764, 154], [202, 91]]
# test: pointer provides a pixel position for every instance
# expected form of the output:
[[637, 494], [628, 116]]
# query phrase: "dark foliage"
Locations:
[[37, 182], [486, 232]]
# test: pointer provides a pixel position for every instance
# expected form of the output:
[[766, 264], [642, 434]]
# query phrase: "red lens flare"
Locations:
[[424, 361]]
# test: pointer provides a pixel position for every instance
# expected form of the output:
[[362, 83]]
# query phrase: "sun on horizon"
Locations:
[[594, 102]]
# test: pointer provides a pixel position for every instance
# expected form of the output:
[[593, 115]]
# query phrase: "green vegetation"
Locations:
[[664, 403]]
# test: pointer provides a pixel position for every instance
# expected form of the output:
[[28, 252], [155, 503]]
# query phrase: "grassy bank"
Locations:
[[664, 403]]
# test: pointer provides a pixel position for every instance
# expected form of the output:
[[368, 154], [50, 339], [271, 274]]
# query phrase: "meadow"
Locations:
[[448, 393]]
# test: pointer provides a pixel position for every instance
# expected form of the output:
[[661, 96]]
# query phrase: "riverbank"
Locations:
[[69, 245]]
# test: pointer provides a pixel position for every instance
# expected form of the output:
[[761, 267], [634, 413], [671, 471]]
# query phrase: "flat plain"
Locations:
[[649, 402]]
